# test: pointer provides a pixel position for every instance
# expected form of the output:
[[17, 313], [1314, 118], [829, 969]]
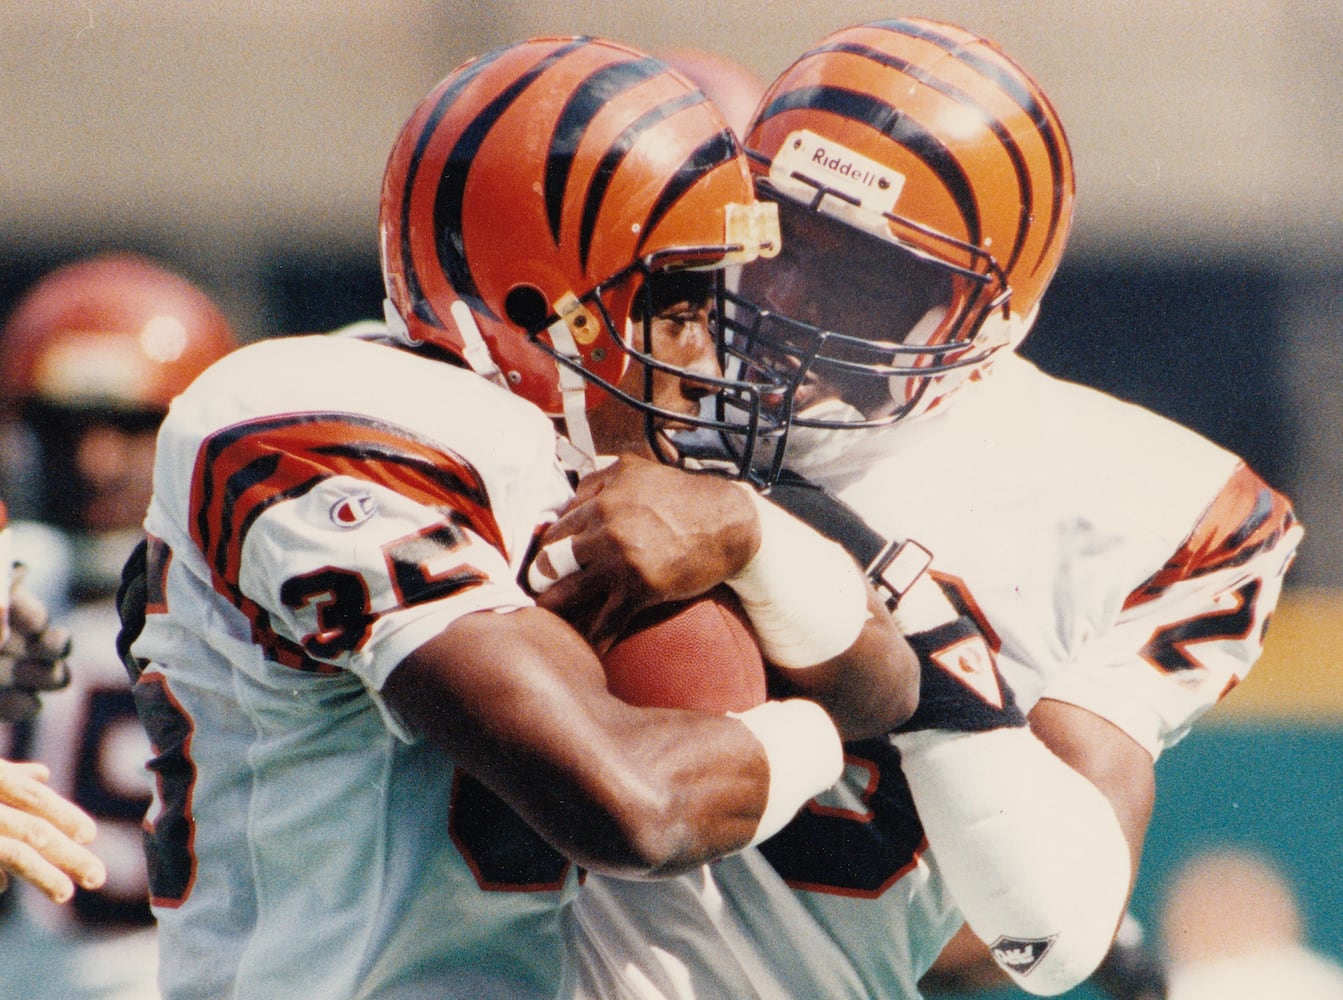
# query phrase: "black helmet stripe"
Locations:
[[605, 172], [720, 148], [449, 197], [897, 126], [587, 100], [1034, 104], [423, 310]]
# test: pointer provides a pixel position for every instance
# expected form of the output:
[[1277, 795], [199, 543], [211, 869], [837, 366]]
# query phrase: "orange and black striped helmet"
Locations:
[[533, 191], [932, 139]]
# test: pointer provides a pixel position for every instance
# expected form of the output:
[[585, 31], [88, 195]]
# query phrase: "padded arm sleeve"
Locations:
[[1031, 850]]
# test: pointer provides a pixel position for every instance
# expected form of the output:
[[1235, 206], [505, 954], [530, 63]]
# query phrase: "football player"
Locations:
[[1120, 569], [90, 358], [379, 763]]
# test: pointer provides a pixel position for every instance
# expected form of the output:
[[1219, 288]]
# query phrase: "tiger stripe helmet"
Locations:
[[532, 192], [930, 137]]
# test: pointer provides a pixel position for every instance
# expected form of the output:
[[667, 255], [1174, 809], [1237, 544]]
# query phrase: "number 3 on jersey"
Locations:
[[340, 598]]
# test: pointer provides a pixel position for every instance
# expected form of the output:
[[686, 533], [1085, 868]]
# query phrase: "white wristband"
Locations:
[[804, 594], [804, 753]]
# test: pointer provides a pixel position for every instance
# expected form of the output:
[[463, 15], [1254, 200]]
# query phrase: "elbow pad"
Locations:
[[1030, 849]]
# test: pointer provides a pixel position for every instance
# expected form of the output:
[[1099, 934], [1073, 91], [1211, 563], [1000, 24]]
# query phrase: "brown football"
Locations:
[[698, 654]]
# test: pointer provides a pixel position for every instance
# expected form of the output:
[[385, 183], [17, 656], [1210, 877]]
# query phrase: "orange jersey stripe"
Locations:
[[1244, 519], [242, 471]]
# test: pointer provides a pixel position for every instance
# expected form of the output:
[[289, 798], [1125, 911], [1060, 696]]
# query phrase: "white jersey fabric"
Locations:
[[324, 505], [1114, 560]]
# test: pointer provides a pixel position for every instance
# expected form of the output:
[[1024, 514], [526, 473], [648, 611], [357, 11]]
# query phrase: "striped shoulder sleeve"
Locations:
[[362, 519]]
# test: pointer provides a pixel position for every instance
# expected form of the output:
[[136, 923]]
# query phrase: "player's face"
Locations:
[[101, 469], [837, 279], [679, 334]]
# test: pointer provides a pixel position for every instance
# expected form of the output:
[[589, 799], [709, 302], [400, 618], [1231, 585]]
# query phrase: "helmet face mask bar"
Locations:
[[740, 419], [760, 333]]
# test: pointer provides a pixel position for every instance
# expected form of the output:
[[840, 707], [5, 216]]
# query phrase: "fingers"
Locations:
[[32, 658], [552, 563], [42, 836]]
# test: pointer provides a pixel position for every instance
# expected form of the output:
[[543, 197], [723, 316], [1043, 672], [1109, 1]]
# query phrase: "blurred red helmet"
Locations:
[[113, 333]]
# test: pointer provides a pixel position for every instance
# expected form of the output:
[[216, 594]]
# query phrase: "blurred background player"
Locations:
[[1231, 928], [42, 836], [90, 358]]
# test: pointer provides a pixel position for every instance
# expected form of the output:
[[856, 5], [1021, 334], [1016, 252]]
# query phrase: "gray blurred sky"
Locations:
[[1198, 127]]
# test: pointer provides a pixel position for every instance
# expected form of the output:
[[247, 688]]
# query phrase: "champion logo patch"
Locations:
[[352, 511], [1022, 955]]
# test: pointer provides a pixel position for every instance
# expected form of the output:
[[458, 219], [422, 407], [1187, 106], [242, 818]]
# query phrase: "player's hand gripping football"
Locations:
[[641, 534], [42, 836], [32, 656]]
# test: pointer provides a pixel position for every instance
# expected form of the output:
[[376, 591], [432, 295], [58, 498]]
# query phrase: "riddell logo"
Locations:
[[848, 168], [1022, 955], [807, 162]]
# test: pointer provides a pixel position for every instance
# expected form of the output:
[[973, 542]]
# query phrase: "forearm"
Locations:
[[871, 687], [823, 625], [1032, 852], [629, 791]]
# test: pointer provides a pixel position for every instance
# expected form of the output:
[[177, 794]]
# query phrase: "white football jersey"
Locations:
[[323, 506], [1113, 559]]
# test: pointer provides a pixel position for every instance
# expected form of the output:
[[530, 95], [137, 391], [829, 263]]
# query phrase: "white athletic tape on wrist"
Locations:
[[1030, 849], [562, 561], [804, 594], [804, 753]]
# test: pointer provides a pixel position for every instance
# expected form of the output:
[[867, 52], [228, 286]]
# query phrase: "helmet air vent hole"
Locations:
[[526, 307]]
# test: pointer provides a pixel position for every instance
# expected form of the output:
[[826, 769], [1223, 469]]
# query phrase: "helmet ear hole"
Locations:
[[526, 307]]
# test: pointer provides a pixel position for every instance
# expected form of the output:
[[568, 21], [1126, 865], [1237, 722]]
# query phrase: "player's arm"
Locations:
[[1183, 639], [640, 533], [519, 700], [1030, 849], [33, 651], [42, 836]]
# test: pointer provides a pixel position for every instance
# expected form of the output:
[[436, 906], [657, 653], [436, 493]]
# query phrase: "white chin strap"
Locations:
[[578, 451], [812, 450], [475, 352]]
